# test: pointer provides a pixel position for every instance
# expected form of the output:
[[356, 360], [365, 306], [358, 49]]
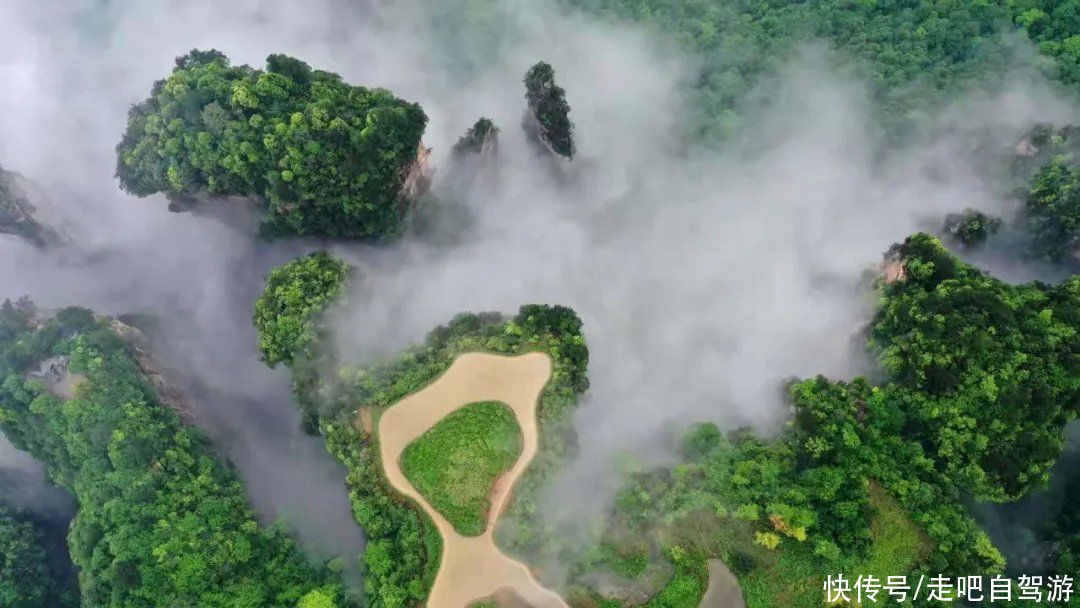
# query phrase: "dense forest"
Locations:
[[31, 575], [975, 379], [329, 158], [915, 53], [161, 521]]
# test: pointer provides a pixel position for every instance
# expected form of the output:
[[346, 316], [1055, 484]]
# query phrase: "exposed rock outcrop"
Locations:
[[58, 380], [27, 213], [418, 177], [892, 268], [155, 372]]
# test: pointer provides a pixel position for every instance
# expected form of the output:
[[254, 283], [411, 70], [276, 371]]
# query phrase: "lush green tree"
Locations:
[[549, 114], [295, 295], [971, 228], [327, 157], [28, 577], [985, 372], [480, 137], [1055, 26], [161, 522], [1053, 212]]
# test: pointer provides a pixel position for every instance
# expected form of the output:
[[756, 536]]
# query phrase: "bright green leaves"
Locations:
[[455, 463], [161, 522], [294, 294]]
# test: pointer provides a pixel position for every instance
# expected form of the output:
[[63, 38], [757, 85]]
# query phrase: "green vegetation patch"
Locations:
[[295, 293], [402, 555], [898, 544], [161, 520], [29, 578], [455, 463]]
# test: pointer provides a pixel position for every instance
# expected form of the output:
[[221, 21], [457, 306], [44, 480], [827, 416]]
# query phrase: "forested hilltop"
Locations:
[[160, 522], [328, 158], [344, 401]]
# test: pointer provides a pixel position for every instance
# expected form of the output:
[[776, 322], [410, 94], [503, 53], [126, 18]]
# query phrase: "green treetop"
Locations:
[[984, 372], [294, 294], [327, 157], [1053, 212], [547, 104], [971, 228], [482, 134]]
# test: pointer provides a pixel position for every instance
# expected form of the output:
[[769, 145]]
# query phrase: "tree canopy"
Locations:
[[295, 294], [478, 138], [984, 372], [327, 157], [161, 522], [28, 577], [549, 110], [971, 227], [1053, 212]]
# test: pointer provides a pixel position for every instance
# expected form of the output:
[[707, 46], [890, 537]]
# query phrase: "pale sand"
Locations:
[[723, 591], [472, 567]]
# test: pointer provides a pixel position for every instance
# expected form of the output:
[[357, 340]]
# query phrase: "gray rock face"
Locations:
[[29, 217]]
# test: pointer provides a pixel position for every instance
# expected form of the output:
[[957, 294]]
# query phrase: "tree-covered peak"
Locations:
[[327, 158], [295, 294], [549, 113]]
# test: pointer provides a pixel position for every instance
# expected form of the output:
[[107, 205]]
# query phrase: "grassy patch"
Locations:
[[454, 464], [897, 542], [788, 578]]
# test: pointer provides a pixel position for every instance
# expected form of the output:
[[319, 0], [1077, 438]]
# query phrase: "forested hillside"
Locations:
[[956, 399], [161, 522], [872, 479], [914, 53], [401, 558]]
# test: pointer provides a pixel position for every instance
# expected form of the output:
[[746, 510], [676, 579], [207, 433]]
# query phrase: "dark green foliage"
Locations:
[[1053, 212], [913, 53], [295, 294], [478, 138], [28, 576], [1066, 528], [548, 107], [160, 523], [328, 158], [983, 372], [971, 228]]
